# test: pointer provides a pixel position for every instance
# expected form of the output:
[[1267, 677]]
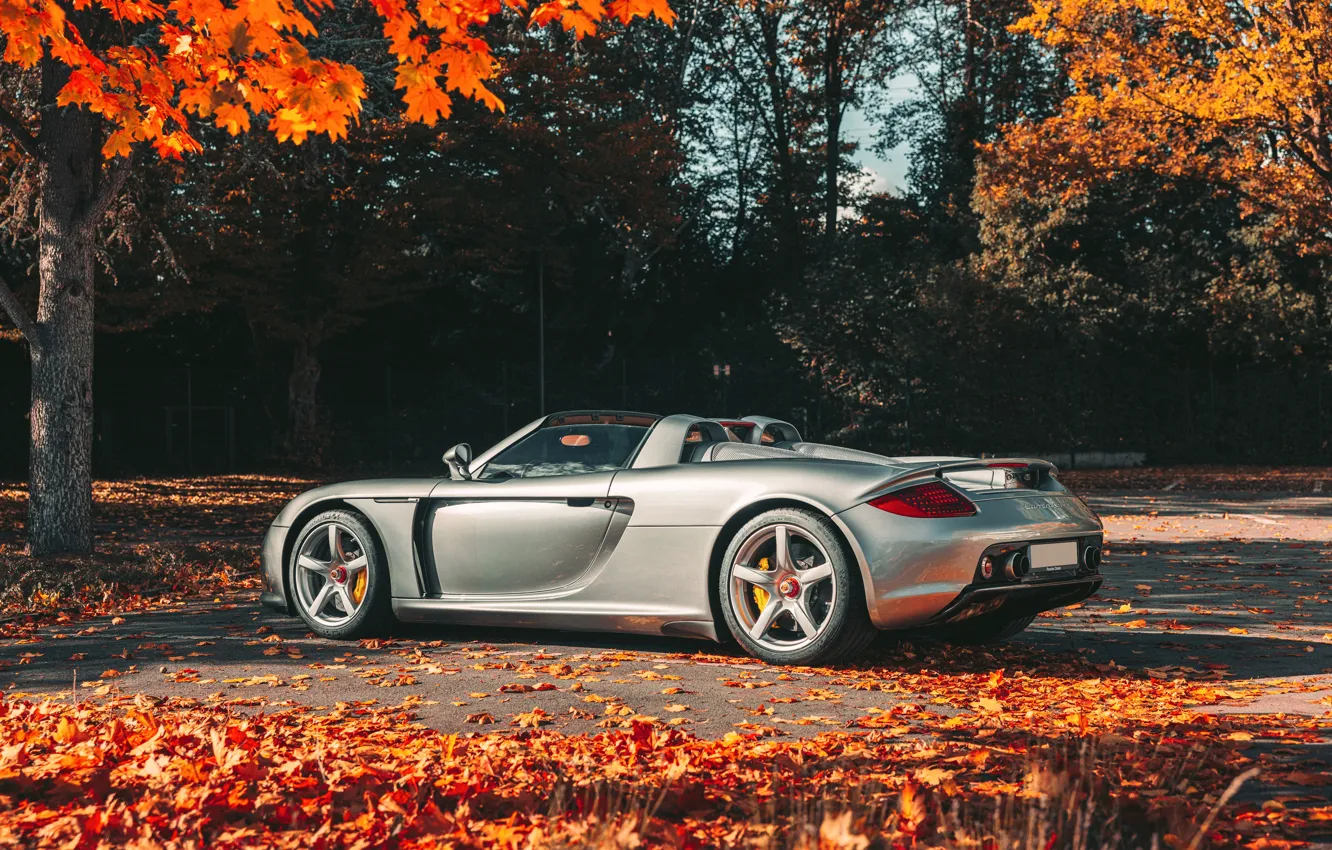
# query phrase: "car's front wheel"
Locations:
[[790, 590], [339, 577]]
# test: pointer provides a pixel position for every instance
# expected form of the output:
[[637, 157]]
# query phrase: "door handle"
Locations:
[[580, 502]]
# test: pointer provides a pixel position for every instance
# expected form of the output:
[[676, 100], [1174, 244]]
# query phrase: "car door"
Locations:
[[535, 515], [519, 535]]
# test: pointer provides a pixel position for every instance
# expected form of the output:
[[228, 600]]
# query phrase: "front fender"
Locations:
[[271, 559], [297, 509], [388, 503]]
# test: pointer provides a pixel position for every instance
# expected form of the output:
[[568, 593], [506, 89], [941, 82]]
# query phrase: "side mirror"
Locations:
[[457, 460]]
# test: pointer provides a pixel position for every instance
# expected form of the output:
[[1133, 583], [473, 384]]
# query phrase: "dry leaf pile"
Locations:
[[1109, 763]]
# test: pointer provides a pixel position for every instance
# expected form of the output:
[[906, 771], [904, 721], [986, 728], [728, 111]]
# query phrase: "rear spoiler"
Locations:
[[1031, 473]]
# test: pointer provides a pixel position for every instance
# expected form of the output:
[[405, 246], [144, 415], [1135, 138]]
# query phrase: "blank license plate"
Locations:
[[1048, 556]]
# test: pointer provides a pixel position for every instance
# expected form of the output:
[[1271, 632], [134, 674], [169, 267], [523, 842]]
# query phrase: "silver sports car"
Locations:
[[684, 525]]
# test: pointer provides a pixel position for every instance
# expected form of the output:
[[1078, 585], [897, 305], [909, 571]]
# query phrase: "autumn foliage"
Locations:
[[231, 61], [1231, 93]]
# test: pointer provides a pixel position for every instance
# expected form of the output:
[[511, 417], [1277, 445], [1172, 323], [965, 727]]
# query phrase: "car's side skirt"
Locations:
[[568, 617]]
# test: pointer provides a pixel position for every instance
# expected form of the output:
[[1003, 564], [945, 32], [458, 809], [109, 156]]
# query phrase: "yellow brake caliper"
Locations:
[[358, 589], [761, 595]]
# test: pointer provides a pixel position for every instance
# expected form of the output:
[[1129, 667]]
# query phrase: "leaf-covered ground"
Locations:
[[151, 774], [191, 715], [167, 510]]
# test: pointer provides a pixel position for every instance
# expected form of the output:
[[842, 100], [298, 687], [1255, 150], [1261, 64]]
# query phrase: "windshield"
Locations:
[[567, 450]]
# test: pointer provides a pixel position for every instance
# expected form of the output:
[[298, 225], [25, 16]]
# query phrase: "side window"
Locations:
[[567, 450]]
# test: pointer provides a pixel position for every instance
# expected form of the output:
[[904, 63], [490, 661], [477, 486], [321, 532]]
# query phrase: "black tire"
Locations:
[[375, 612], [845, 629], [986, 629]]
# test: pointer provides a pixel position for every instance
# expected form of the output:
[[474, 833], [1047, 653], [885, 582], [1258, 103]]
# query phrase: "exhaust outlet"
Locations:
[[1017, 565], [1091, 557]]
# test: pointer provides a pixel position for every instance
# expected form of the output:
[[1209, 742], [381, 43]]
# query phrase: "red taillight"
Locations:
[[930, 500], [1007, 465]]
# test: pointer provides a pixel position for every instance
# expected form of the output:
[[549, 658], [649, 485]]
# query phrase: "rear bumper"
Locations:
[[1017, 600], [916, 569]]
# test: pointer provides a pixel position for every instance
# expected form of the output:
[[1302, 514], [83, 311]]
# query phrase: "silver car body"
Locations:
[[637, 549]]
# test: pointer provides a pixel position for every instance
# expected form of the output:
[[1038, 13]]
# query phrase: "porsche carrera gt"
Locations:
[[691, 526]]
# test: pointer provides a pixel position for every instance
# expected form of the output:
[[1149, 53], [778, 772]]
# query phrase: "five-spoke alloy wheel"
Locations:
[[338, 578], [789, 590]]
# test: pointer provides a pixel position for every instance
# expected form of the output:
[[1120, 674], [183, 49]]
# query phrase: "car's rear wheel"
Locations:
[[790, 590], [339, 577], [986, 629]]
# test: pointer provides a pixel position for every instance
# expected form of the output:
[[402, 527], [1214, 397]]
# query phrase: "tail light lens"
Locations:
[[933, 500]]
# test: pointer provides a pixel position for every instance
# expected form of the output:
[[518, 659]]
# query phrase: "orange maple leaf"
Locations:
[[427, 103], [232, 118]]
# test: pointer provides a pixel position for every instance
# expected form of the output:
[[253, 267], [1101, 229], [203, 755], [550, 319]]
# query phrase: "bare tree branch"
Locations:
[[19, 316], [25, 139]]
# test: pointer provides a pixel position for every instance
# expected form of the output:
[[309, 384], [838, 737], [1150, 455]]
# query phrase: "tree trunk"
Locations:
[[832, 163], [788, 266], [304, 439], [970, 121], [60, 459]]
